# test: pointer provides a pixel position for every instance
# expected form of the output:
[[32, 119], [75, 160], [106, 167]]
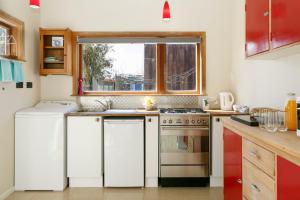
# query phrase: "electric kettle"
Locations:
[[226, 101]]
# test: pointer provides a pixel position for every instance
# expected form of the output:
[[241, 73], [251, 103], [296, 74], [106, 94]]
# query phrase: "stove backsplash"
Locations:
[[133, 102]]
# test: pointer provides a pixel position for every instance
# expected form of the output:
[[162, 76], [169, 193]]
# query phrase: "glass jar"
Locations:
[[291, 112]]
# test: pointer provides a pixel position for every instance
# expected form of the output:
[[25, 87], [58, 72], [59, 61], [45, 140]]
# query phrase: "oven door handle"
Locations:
[[187, 131]]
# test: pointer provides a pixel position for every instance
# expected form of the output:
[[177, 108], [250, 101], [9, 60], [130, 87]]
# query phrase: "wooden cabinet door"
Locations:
[[257, 27], [288, 180], [285, 22], [232, 166], [84, 147]]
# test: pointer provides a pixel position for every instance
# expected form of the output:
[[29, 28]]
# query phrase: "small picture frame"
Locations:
[[57, 41]]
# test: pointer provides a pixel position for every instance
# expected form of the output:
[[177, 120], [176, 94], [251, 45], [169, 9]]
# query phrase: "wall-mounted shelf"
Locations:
[[51, 47], [60, 54], [55, 62]]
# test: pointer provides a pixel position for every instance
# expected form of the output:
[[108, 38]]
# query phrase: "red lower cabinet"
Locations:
[[288, 180], [232, 166]]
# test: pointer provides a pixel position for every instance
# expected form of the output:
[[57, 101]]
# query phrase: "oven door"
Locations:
[[184, 146]]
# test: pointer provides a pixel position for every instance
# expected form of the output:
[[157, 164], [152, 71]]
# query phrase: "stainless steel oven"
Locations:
[[184, 146], [184, 151]]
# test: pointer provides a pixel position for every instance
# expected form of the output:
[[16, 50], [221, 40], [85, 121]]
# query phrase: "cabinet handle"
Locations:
[[266, 13], [239, 181], [218, 120], [149, 120], [254, 187], [254, 153], [97, 119]]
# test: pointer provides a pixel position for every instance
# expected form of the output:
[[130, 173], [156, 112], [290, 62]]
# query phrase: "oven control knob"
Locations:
[[164, 121], [193, 121], [199, 121], [187, 121], [170, 121]]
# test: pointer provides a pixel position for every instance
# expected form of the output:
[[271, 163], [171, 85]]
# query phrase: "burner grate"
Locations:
[[181, 110]]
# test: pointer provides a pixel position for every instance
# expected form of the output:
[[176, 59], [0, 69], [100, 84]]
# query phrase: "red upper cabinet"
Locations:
[[285, 22], [288, 180], [232, 166], [257, 26]]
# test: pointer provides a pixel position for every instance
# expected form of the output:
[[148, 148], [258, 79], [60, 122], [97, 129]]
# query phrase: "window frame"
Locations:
[[160, 67], [8, 30], [16, 29]]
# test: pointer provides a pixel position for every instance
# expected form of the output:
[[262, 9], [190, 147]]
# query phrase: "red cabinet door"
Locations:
[[288, 180], [232, 166], [257, 26], [285, 22]]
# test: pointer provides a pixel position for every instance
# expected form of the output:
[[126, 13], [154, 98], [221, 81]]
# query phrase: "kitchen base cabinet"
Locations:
[[271, 163], [232, 165], [151, 127], [216, 178], [288, 180], [257, 184], [85, 151]]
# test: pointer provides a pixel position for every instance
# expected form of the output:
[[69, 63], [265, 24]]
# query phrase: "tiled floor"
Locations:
[[124, 194]]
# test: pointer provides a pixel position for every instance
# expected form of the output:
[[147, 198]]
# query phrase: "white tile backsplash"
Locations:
[[132, 102]]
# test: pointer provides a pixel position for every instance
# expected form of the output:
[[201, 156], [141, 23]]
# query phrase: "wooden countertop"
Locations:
[[223, 113], [117, 113], [285, 144], [142, 112]]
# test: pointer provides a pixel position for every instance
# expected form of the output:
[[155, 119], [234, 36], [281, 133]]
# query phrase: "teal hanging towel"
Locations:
[[17, 70], [5, 71]]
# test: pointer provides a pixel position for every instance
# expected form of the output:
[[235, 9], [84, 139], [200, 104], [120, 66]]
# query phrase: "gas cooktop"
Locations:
[[181, 110]]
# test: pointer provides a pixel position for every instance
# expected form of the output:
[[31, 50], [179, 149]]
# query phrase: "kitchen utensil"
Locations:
[[226, 101]]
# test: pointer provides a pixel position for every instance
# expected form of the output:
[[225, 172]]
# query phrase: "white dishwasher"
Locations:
[[124, 152]]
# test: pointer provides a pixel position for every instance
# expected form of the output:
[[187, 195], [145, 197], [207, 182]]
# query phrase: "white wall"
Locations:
[[213, 16], [260, 82], [12, 99]]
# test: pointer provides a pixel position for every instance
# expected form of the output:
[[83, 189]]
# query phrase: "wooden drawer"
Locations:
[[261, 157], [256, 184]]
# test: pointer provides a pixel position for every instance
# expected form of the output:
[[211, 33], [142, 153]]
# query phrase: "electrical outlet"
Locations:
[[29, 84], [19, 85]]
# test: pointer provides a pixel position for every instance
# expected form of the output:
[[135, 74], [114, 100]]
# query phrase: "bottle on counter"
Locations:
[[291, 112]]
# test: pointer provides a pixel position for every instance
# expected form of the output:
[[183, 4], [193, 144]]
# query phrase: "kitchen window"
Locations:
[[118, 67], [11, 37], [140, 63], [4, 40]]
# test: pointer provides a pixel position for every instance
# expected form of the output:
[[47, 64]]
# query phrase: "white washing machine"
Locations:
[[40, 146]]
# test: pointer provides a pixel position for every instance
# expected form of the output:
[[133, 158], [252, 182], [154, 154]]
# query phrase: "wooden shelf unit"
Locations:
[[63, 54]]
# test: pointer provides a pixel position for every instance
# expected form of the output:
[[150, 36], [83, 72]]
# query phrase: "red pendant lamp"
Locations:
[[34, 3], [166, 11]]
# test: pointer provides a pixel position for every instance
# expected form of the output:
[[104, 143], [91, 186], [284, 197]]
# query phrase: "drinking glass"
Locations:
[[263, 117], [282, 126], [272, 121]]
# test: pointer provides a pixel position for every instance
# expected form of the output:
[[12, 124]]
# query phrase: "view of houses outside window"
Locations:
[[132, 67], [119, 67]]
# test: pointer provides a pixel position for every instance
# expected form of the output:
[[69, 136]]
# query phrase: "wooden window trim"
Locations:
[[16, 28], [161, 90]]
